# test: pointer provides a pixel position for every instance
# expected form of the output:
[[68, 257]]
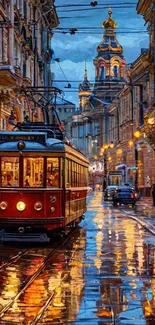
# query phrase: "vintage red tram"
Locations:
[[43, 183]]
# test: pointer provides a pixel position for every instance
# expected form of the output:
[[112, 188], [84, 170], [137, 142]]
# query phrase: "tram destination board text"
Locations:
[[17, 137]]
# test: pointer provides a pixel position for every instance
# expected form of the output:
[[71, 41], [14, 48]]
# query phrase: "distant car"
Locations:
[[125, 195], [108, 194]]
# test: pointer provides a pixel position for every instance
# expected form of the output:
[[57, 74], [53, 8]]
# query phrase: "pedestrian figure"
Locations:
[[153, 194]]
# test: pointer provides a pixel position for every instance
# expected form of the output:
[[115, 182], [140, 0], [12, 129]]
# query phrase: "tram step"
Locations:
[[28, 237]]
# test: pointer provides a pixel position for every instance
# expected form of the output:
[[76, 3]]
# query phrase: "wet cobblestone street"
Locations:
[[104, 273]]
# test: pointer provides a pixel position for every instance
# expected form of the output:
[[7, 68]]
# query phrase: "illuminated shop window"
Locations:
[[10, 171], [52, 179], [33, 172]]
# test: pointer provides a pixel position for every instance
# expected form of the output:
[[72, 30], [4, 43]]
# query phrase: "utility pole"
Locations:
[[117, 117], [105, 171], [132, 120], [136, 165]]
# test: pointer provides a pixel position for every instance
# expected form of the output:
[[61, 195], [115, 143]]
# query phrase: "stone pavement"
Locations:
[[145, 206], [145, 212]]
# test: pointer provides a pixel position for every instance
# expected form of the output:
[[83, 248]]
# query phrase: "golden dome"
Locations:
[[109, 23]]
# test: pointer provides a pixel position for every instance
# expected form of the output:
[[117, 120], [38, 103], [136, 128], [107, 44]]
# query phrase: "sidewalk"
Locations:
[[145, 206]]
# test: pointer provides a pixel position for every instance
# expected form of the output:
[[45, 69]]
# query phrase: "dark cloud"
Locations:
[[74, 49]]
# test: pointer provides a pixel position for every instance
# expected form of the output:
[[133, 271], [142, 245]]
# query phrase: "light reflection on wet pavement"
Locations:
[[104, 276], [119, 272]]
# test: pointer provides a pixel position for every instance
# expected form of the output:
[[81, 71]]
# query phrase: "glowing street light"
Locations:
[[137, 134], [130, 143], [151, 120]]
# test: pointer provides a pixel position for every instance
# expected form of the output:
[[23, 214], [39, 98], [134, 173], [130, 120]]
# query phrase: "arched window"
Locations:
[[115, 70], [102, 73]]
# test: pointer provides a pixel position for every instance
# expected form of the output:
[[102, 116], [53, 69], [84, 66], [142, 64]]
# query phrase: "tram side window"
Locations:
[[67, 173], [78, 178], [82, 175], [33, 172], [52, 179], [86, 176], [73, 174], [70, 173], [10, 171]]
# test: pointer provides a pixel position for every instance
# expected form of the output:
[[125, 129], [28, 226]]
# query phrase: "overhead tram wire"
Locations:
[[99, 33], [104, 4], [62, 71], [72, 17], [98, 8], [98, 28], [69, 85]]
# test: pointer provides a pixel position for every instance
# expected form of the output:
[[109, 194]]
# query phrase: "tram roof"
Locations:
[[38, 141], [34, 141]]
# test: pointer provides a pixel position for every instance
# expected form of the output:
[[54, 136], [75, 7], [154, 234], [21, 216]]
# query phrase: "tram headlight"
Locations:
[[20, 206], [52, 209], [38, 206], [3, 205]]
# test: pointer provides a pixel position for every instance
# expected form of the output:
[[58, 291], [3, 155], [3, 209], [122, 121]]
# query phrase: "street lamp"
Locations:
[[137, 135], [105, 170], [136, 164], [105, 159]]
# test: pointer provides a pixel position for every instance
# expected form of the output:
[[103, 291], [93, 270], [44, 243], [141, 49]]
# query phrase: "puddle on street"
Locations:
[[120, 269]]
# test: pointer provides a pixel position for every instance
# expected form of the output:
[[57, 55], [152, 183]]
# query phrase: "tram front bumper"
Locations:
[[34, 222], [24, 238]]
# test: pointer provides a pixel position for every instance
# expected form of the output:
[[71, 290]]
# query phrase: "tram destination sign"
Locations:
[[25, 137]]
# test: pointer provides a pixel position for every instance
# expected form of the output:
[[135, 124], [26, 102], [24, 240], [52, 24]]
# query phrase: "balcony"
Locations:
[[7, 76], [51, 18]]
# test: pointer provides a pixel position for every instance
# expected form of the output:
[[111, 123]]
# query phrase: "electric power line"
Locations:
[[99, 33], [99, 28], [62, 71], [89, 9], [104, 4]]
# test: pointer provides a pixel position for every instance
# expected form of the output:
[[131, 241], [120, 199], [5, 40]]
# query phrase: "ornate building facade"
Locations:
[[89, 127], [120, 110], [109, 63], [25, 38]]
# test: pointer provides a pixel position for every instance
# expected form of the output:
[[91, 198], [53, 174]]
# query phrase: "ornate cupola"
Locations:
[[85, 90], [109, 62]]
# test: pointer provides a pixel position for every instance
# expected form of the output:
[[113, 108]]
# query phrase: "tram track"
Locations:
[[141, 221], [52, 295], [35, 275], [13, 259]]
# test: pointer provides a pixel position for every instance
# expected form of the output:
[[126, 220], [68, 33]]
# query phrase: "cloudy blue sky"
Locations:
[[73, 50]]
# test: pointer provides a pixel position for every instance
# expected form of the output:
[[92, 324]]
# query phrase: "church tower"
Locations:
[[109, 63], [84, 92]]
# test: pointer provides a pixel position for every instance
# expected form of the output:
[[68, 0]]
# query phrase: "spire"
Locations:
[[85, 85], [109, 43], [85, 74], [109, 23]]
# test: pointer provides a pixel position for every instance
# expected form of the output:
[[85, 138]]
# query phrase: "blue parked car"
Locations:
[[124, 196]]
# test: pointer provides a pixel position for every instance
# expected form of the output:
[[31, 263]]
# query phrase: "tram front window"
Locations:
[[52, 179], [10, 171], [33, 172]]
